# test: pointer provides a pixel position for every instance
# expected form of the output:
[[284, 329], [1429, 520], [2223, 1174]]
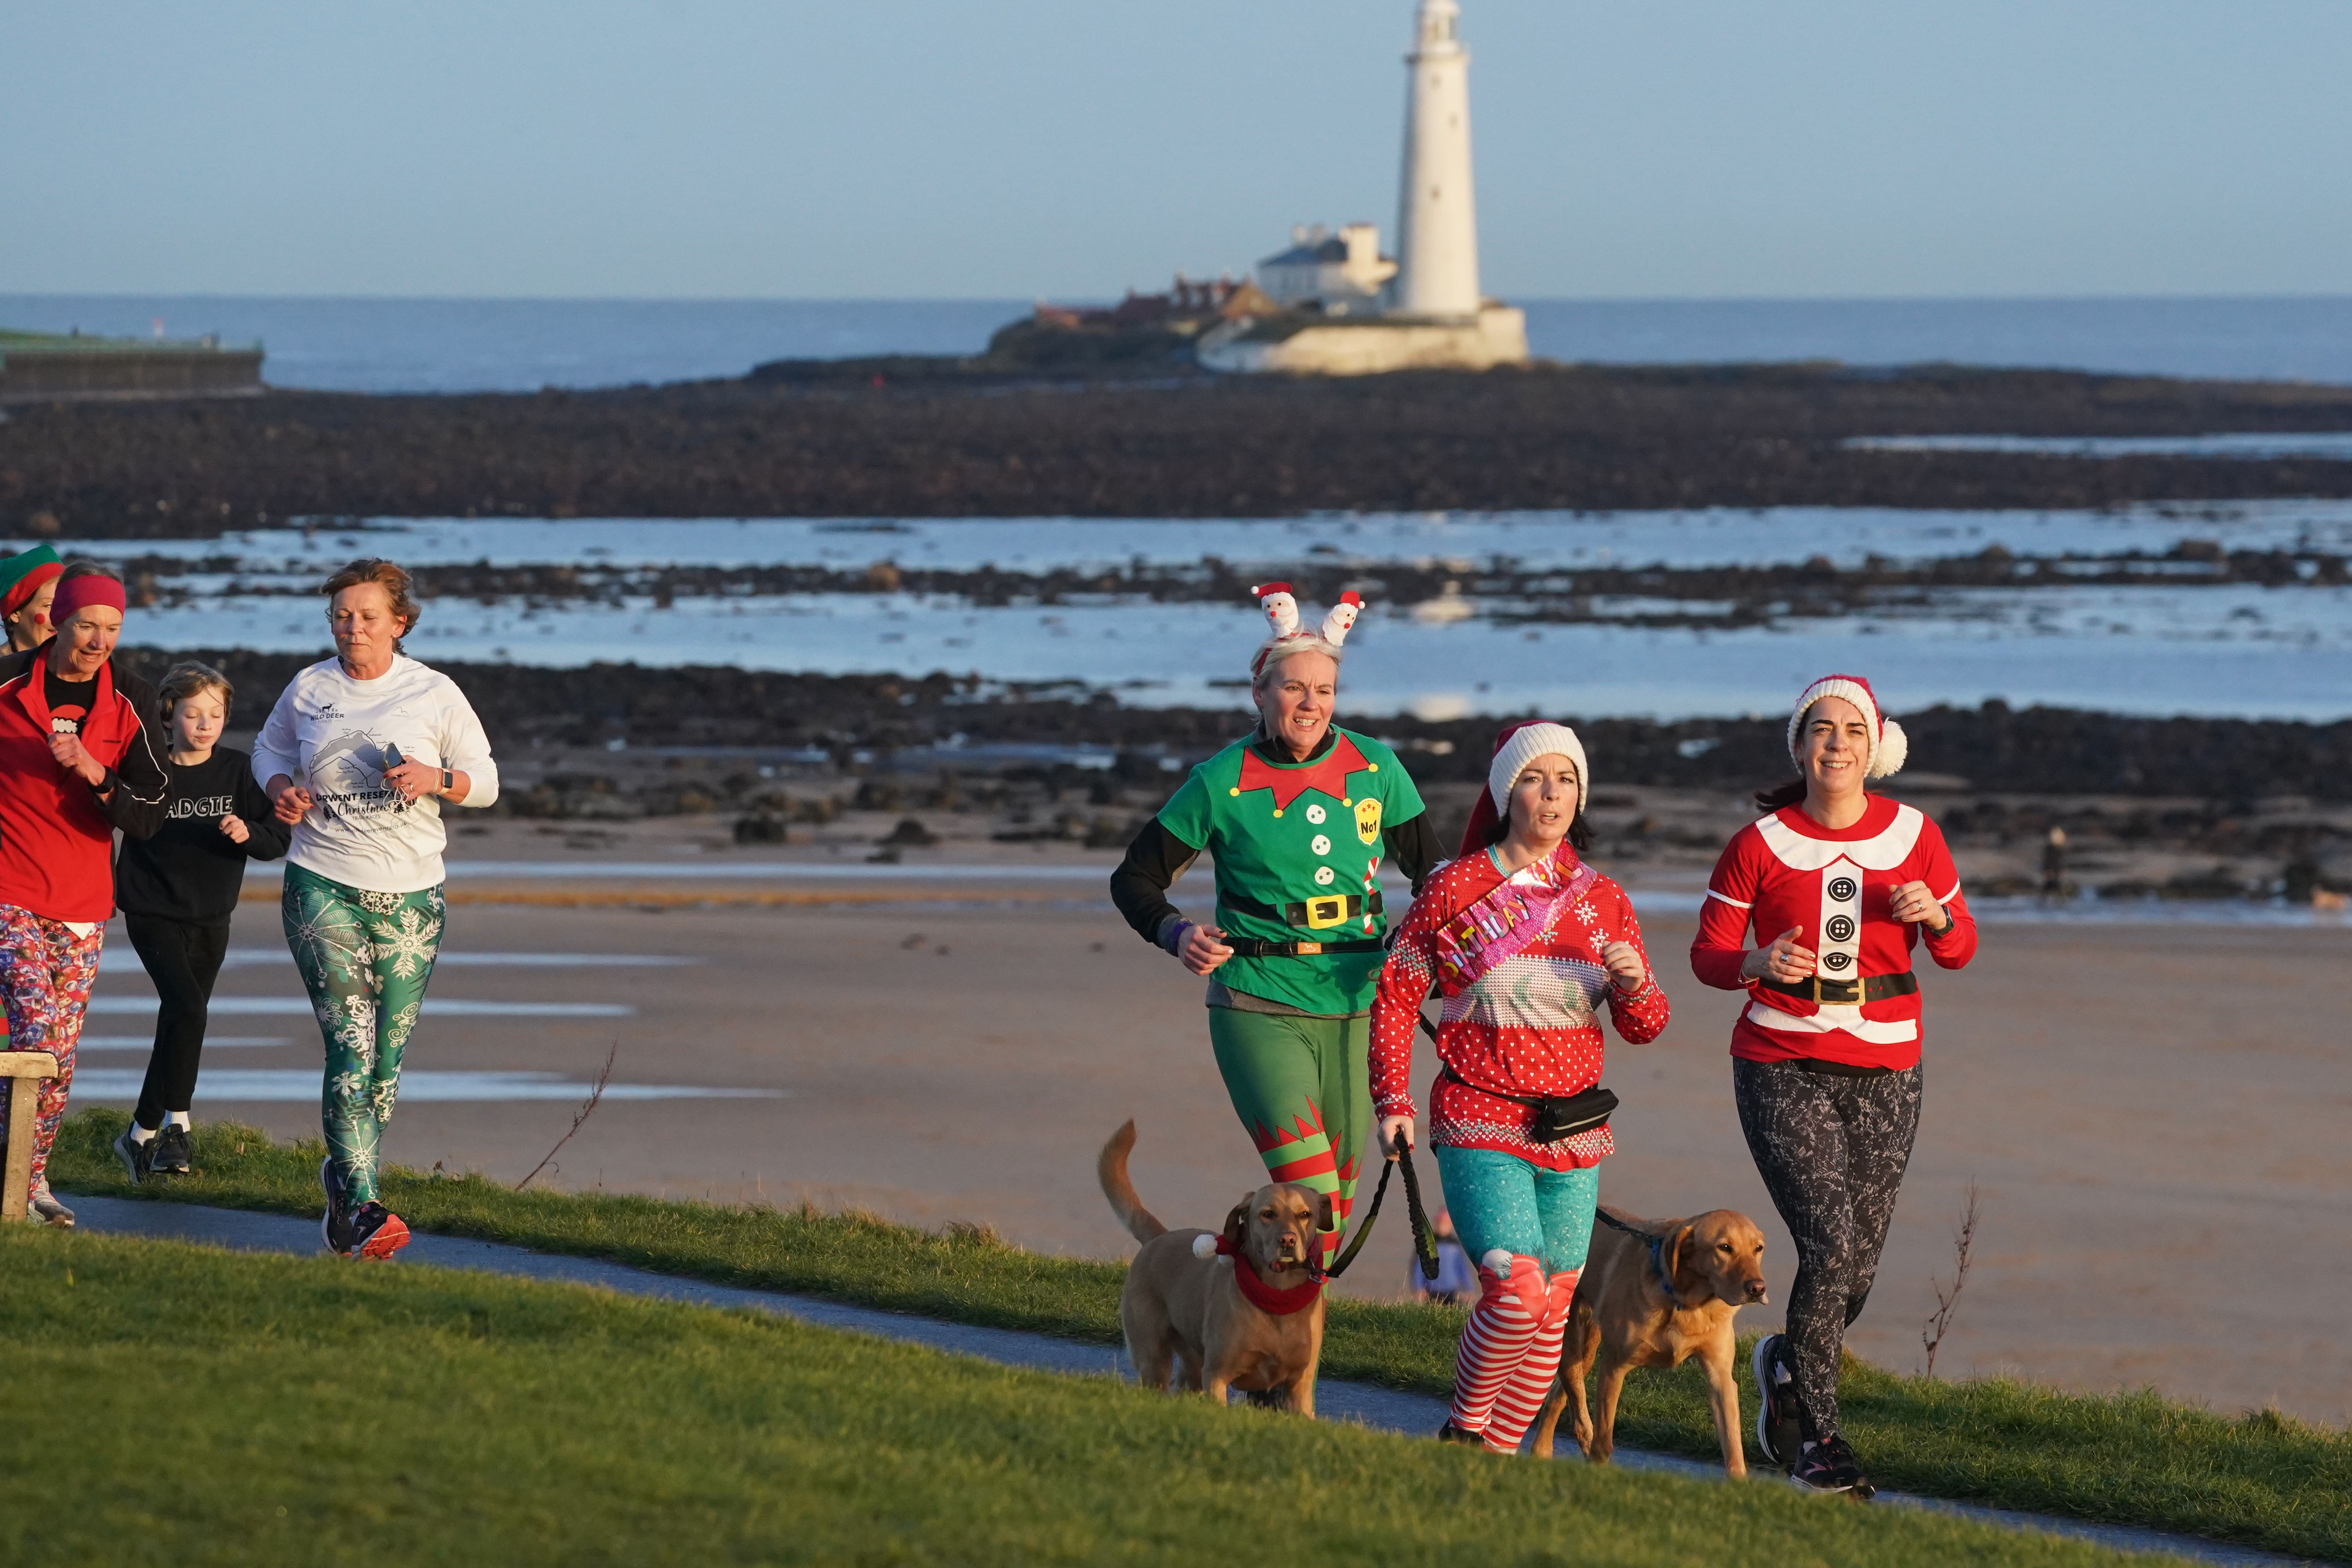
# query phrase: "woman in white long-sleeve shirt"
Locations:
[[359, 754]]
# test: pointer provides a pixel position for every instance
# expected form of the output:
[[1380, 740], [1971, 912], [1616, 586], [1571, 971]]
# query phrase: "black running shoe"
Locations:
[[137, 1157], [1450, 1433], [376, 1231], [335, 1224], [1829, 1465], [171, 1157], [1778, 1434]]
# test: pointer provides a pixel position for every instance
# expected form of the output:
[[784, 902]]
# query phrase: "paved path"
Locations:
[[1385, 1409]]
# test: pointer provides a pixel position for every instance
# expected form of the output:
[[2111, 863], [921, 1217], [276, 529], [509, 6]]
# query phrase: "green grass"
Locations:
[[179, 1404], [2129, 1459]]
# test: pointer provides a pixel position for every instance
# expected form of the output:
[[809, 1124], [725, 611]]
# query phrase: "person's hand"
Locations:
[[233, 828], [75, 758], [1203, 949], [1784, 959], [1395, 1132], [1915, 905], [1624, 961], [290, 803], [413, 780]]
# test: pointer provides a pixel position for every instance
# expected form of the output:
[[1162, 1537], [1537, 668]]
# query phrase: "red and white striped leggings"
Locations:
[[1527, 1228]]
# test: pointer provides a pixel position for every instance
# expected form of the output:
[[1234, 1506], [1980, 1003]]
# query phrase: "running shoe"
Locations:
[[335, 1224], [1830, 1466], [170, 1150], [137, 1157], [376, 1231], [1450, 1433], [43, 1206], [1778, 1434]]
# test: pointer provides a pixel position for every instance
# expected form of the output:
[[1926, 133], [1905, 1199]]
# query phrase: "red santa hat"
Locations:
[[1517, 745], [1889, 747], [1281, 609]]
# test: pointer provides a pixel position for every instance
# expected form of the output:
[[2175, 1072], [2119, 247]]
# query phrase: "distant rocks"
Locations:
[[946, 437]]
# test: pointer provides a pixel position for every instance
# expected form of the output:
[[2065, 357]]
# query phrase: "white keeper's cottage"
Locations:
[[1347, 309]]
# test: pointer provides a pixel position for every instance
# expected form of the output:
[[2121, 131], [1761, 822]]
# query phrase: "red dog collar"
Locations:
[[1265, 1297]]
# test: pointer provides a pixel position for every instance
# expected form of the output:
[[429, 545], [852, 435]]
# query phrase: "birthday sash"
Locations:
[[1501, 923]]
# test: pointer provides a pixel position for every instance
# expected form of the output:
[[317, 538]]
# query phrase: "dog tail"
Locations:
[[1140, 1223]]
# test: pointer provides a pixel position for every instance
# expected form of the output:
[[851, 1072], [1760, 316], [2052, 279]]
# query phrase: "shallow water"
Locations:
[[1712, 536]]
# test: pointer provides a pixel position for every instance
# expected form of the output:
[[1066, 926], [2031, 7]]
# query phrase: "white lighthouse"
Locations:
[[1437, 220], [1435, 318]]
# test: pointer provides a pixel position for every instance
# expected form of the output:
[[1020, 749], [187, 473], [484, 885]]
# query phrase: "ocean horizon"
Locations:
[[389, 345]]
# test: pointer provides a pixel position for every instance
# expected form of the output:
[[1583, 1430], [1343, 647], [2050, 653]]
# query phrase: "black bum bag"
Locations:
[[1557, 1117]]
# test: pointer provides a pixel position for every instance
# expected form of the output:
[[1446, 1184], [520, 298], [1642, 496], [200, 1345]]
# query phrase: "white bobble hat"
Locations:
[[1523, 746], [1889, 747]]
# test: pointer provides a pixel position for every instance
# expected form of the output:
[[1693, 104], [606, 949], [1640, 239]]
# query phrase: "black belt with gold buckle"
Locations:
[[1322, 913], [1846, 993]]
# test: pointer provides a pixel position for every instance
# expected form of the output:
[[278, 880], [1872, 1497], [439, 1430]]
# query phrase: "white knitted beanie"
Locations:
[[1889, 747], [1522, 746]]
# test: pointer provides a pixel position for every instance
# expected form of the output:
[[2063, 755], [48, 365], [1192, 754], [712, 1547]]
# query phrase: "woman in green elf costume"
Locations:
[[1298, 816]]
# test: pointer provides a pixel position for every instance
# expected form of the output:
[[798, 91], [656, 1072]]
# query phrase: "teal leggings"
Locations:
[[1501, 1200], [365, 958]]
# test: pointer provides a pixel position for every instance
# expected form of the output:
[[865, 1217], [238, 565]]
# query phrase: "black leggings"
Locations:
[[1831, 1153], [182, 960]]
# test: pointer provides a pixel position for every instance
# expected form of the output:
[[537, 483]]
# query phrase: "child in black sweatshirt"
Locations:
[[177, 892]]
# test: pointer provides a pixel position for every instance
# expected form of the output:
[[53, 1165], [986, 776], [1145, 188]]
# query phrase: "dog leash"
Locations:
[[1424, 1241], [1425, 1238], [1657, 1250]]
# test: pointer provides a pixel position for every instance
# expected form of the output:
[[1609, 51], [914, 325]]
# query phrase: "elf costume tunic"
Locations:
[[1298, 848]]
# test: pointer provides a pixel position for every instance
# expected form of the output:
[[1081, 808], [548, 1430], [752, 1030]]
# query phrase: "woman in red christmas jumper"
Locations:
[[1839, 886], [1525, 944], [77, 764]]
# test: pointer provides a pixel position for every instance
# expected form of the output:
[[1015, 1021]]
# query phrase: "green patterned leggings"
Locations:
[[365, 959]]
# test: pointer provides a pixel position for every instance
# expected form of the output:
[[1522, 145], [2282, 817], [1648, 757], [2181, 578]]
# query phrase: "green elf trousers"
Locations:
[[1303, 1088], [365, 958]]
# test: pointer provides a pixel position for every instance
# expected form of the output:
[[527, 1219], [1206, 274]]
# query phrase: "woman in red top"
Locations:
[[77, 763], [1525, 944], [1825, 1057]]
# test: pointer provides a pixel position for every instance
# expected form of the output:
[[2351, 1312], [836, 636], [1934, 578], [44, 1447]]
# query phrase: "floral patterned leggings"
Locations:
[[365, 959], [46, 970]]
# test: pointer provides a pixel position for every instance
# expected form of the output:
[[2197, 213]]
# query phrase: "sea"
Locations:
[[2159, 646], [521, 345]]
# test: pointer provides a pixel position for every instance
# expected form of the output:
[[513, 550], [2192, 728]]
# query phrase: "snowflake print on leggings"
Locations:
[[46, 971], [365, 958]]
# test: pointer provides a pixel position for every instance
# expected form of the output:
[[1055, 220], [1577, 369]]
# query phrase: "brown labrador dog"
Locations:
[[1183, 1310], [1645, 1302]]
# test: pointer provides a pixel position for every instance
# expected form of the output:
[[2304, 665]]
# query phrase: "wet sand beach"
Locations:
[[2152, 1112]]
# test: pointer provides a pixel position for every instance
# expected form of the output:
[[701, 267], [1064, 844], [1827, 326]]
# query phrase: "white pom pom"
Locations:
[[1497, 1260], [1894, 750], [1204, 1246]]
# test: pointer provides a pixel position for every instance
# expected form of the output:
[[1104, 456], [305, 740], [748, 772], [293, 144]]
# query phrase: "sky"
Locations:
[[927, 149]]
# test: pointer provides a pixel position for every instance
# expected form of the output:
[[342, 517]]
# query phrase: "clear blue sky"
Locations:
[[900, 148]]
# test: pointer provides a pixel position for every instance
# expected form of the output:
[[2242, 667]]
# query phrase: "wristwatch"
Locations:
[[448, 780]]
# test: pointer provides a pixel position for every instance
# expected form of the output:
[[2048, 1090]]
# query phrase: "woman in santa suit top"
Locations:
[[1839, 887]]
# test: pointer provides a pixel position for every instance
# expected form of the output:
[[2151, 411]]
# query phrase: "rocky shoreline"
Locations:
[[2153, 807], [954, 442]]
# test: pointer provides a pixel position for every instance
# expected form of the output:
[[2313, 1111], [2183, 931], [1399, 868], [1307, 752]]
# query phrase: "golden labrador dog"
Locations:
[[1656, 1300], [1185, 1313]]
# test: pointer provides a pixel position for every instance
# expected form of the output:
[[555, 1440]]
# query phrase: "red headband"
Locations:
[[81, 594]]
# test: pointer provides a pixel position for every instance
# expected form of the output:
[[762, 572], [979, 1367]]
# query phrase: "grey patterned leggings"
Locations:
[[1831, 1153]]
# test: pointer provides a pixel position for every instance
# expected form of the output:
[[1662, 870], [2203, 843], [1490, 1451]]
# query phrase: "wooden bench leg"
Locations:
[[24, 1071]]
